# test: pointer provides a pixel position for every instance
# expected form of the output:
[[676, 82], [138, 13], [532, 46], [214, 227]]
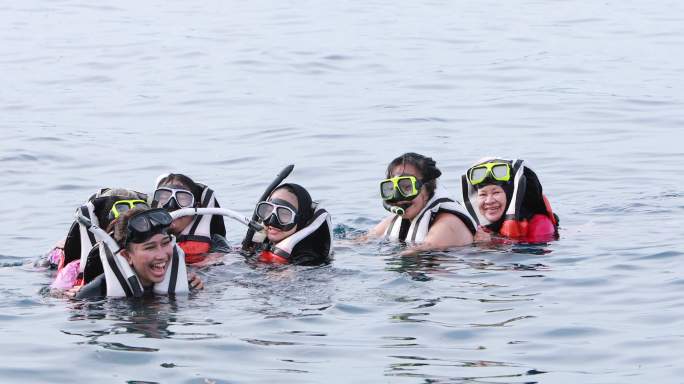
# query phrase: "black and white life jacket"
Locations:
[[420, 225], [123, 282], [319, 230]]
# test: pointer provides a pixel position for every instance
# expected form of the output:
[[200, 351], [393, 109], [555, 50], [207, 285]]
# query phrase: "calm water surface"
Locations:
[[115, 93]]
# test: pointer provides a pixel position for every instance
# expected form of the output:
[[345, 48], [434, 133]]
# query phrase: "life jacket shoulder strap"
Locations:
[[284, 248]]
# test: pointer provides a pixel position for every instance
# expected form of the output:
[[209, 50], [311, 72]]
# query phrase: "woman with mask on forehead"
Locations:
[[506, 199], [150, 261], [202, 236], [422, 213], [297, 230]]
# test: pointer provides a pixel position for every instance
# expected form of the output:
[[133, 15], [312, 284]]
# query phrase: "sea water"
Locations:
[[590, 94]]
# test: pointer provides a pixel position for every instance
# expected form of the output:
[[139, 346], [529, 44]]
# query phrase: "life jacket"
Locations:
[[319, 229], [123, 282], [79, 241], [195, 239], [526, 201], [420, 225]]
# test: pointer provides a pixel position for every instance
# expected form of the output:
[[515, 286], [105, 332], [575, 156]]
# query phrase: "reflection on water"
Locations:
[[150, 317], [498, 257]]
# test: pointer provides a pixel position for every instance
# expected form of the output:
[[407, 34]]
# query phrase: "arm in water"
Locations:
[[447, 231]]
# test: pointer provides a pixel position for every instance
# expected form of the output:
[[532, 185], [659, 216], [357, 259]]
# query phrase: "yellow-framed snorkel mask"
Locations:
[[400, 188], [494, 170], [121, 206]]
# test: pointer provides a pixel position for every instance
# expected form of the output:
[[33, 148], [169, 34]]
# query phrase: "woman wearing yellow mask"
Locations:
[[422, 213]]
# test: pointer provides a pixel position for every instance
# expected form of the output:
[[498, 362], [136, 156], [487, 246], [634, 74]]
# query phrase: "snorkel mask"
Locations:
[[145, 224], [493, 172], [277, 213], [400, 188], [173, 198], [121, 206]]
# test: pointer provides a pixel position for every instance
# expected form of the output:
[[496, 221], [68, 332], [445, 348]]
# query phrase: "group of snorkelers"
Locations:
[[128, 243]]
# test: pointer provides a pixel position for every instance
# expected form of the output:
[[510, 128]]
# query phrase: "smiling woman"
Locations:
[[505, 197], [148, 249]]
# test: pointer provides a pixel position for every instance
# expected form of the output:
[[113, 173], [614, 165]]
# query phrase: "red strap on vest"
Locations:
[[270, 257]]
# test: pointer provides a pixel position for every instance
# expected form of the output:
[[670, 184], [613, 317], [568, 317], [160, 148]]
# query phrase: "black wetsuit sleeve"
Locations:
[[96, 288]]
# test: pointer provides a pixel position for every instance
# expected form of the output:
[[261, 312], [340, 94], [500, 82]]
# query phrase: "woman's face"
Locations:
[[179, 224], [418, 203], [274, 234], [491, 201], [150, 259]]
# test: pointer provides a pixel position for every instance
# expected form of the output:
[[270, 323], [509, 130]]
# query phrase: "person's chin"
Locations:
[[493, 217], [410, 213], [274, 235]]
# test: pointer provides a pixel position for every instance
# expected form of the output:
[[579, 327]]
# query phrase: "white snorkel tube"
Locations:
[[98, 232], [217, 211]]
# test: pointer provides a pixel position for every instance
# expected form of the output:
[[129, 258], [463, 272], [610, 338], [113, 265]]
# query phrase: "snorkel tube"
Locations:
[[247, 242], [98, 232], [216, 211]]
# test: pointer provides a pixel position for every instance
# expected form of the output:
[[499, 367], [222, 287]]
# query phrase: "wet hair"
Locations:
[[119, 226], [305, 210], [425, 165], [179, 178], [104, 201]]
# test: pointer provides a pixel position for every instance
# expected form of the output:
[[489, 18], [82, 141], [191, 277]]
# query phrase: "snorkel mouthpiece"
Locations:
[[394, 209]]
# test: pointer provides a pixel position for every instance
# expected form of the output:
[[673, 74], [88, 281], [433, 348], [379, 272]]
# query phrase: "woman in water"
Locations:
[[506, 199], [422, 214], [72, 258], [200, 237], [297, 230], [142, 235]]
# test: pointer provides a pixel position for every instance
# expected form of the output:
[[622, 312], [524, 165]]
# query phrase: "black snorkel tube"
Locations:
[[247, 243]]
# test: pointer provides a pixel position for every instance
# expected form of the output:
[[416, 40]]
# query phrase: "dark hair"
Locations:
[[425, 165], [119, 226], [179, 178]]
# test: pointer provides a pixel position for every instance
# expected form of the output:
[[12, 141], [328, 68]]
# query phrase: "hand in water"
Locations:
[[482, 235], [72, 292], [194, 281]]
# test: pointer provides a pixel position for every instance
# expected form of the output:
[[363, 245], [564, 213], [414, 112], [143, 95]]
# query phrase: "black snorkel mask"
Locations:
[[277, 213], [143, 225]]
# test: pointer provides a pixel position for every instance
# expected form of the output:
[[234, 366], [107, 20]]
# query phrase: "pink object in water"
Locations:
[[55, 256], [66, 277]]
